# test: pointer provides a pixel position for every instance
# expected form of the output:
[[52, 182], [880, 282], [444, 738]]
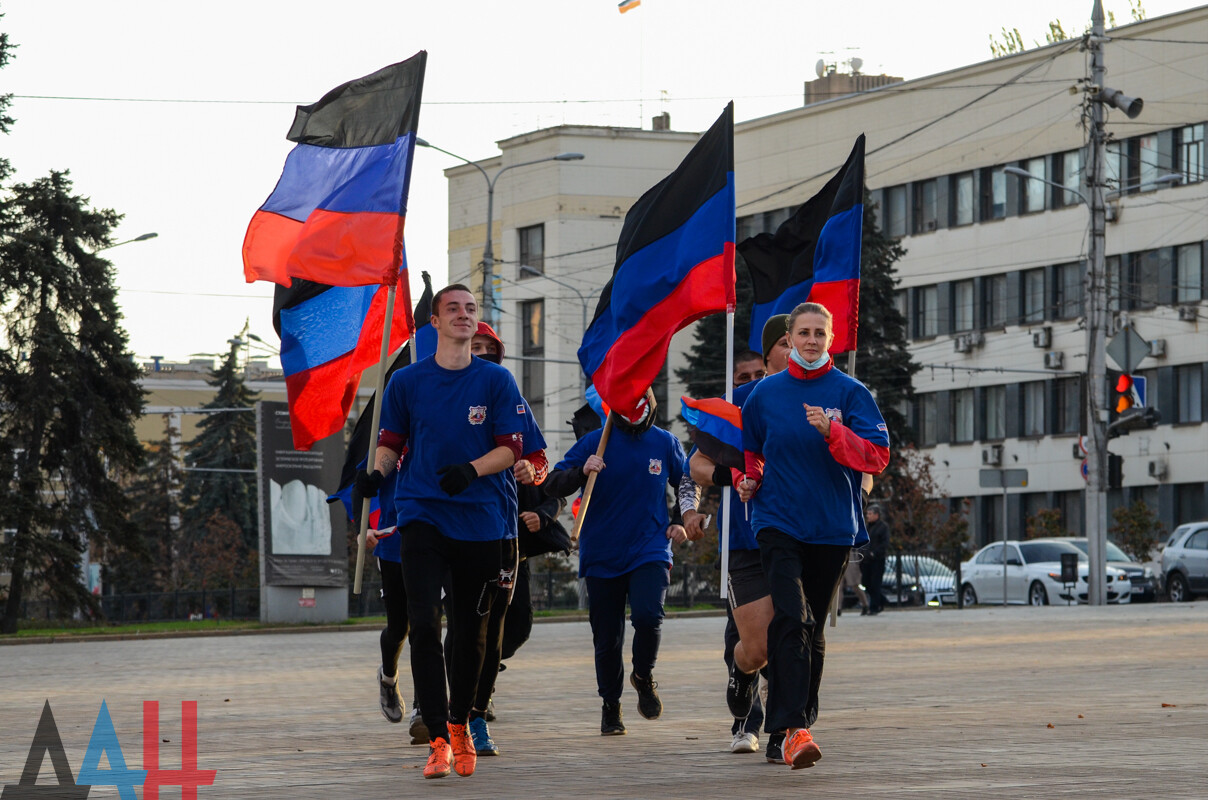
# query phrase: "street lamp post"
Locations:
[[488, 250], [582, 301], [141, 238]]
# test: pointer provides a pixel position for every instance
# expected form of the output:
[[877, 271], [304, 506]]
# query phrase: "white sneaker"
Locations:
[[744, 742]]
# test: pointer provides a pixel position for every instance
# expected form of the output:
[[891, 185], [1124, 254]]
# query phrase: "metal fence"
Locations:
[[917, 578], [160, 606]]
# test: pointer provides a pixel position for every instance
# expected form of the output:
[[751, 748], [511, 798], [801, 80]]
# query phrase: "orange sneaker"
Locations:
[[800, 751], [465, 757], [440, 759]]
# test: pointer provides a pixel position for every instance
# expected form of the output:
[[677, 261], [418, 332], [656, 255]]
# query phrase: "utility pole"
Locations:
[[1096, 330]]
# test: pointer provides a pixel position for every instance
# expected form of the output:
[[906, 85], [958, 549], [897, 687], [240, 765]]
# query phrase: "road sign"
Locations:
[[1139, 389], [1086, 470], [1128, 349], [1002, 478]]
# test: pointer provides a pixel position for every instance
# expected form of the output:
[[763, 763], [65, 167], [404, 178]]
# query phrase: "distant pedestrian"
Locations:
[[874, 564]]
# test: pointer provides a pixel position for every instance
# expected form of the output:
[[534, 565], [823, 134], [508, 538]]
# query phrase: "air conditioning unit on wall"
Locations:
[[1188, 313], [1054, 359], [992, 455], [1157, 469], [1042, 338], [961, 344]]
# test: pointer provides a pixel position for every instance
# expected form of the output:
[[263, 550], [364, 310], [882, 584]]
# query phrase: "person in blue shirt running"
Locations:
[[462, 419], [808, 435], [625, 550]]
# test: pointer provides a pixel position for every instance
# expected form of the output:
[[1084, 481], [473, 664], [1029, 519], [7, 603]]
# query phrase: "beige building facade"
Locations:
[[992, 283]]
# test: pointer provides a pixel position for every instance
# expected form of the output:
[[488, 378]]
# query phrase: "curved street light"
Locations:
[[142, 238], [488, 250]]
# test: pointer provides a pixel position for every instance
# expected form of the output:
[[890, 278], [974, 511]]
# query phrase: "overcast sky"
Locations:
[[175, 114]]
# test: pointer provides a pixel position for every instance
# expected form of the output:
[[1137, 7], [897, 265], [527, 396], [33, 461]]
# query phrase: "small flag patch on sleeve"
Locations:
[[520, 408]]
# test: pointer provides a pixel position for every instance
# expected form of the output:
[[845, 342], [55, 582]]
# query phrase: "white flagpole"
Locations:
[[726, 492], [379, 385], [837, 600]]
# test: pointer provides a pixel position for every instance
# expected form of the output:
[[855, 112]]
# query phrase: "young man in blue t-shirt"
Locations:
[[462, 420]]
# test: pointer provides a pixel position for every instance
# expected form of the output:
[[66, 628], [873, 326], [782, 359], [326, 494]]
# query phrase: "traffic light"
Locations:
[[1115, 471], [1126, 394]]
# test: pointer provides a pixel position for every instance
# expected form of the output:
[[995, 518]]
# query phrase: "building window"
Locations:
[[1114, 280], [1141, 289], [928, 420], [926, 312], [532, 347], [994, 301], [1191, 153], [1070, 504], [962, 199], [899, 302], [1032, 309], [1067, 290], [532, 250], [994, 406], [1189, 386], [1189, 283], [1148, 163], [962, 305], [1033, 191], [1069, 405], [962, 415], [895, 211], [1033, 408], [993, 193], [1067, 169], [926, 206]]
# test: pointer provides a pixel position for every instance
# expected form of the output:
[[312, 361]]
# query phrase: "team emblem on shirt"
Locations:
[[478, 415], [834, 415], [520, 408], [656, 466]]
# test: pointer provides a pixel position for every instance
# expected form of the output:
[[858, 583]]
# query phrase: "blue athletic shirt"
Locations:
[[805, 492], [450, 417], [626, 524]]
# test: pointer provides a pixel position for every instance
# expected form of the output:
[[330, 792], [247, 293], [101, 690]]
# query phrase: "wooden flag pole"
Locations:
[[591, 482], [379, 385]]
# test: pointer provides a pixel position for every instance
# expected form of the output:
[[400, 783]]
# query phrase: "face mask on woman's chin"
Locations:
[[800, 361]]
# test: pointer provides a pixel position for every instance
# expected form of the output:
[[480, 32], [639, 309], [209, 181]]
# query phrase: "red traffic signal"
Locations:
[[1126, 394]]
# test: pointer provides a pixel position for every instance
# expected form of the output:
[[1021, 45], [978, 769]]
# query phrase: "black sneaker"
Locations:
[[490, 712], [740, 692], [610, 720], [776, 748], [392, 704], [649, 704], [418, 730]]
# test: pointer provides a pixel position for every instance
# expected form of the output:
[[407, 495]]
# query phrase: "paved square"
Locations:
[[987, 703]]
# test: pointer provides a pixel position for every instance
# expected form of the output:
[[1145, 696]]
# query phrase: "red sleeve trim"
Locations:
[[540, 464], [513, 442], [852, 451], [754, 465], [391, 440]]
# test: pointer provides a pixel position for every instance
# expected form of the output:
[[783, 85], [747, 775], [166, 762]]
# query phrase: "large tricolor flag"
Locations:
[[675, 264], [358, 445], [814, 255], [337, 213], [329, 335]]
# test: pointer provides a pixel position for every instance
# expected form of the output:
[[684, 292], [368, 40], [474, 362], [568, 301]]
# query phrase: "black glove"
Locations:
[[457, 477], [369, 483], [721, 476]]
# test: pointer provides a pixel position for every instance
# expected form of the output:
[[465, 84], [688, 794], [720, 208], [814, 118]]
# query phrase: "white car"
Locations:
[[1033, 575]]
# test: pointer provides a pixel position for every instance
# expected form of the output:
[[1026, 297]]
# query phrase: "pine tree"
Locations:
[[225, 444], [155, 560], [70, 390]]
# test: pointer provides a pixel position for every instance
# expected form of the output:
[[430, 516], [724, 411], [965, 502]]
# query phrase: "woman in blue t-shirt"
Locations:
[[625, 550], [808, 435]]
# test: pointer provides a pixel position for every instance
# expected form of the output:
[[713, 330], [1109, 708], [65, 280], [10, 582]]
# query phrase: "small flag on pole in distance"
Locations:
[[675, 264], [814, 255], [337, 213]]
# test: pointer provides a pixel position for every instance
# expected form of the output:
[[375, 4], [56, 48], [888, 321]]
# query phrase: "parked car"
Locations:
[[1033, 571], [1185, 561], [924, 581], [1144, 581]]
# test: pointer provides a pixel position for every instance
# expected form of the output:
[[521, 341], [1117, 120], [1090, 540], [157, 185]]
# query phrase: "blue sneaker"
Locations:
[[484, 745]]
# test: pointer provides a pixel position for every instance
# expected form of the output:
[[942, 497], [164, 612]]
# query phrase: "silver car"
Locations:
[[1185, 561], [1033, 575]]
